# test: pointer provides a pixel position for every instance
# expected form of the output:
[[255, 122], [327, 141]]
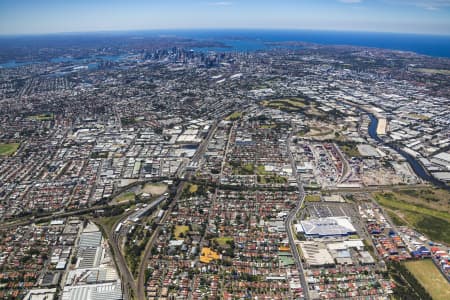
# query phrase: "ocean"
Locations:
[[252, 40]]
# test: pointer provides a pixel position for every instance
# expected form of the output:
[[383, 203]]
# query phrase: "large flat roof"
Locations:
[[316, 254], [328, 226]]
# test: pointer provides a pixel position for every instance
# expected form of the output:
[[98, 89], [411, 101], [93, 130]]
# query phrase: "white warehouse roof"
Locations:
[[331, 226]]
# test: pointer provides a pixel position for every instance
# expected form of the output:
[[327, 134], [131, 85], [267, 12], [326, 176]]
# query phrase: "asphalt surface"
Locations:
[[290, 218], [128, 284], [20, 221], [140, 292], [376, 188]]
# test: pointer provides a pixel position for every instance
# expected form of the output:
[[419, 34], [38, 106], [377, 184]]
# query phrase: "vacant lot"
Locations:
[[432, 222], [248, 169], [223, 241], [180, 231], [419, 117], [108, 222], [125, 197], [193, 188], [272, 179], [350, 149], [287, 104], [155, 189], [428, 197], [42, 117], [234, 116], [295, 102], [433, 71], [430, 278], [312, 198], [8, 149]]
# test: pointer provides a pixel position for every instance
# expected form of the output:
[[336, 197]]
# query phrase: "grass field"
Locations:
[[430, 278], [42, 117], [272, 179], [398, 200], [428, 197], [125, 197], [223, 241], [312, 198], [261, 170], [290, 104], [419, 117], [396, 219], [430, 221], [433, 71], [246, 169], [315, 133], [8, 149], [249, 169], [234, 116], [351, 150], [180, 229], [295, 102], [108, 222], [193, 188]]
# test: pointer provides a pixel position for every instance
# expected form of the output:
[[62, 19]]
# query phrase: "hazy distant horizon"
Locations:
[[247, 39], [218, 29], [25, 17]]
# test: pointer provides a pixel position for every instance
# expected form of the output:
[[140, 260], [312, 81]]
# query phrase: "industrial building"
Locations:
[[316, 254], [326, 227]]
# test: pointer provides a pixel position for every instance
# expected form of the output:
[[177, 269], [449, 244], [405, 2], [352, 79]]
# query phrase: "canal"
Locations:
[[413, 162]]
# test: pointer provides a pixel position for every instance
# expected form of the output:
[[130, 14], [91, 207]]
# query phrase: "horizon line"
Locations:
[[217, 29]]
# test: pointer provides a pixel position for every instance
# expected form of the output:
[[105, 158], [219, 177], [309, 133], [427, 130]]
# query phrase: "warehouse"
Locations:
[[327, 227], [316, 254]]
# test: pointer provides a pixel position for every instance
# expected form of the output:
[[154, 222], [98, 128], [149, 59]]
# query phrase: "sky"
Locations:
[[53, 16]]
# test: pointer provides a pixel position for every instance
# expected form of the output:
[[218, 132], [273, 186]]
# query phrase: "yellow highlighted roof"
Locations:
[[284, 249], [208, 255]]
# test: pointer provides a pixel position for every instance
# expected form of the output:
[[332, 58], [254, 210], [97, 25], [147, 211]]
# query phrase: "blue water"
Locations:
[[413, 162], [65, 59], [251, 40], [14, 64], [254, 40], [83, 60]]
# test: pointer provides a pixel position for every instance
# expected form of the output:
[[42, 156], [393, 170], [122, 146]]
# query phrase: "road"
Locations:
[[128, 283], [147, 251], [346, 170], [20, 221], [114, 238], [201, 149], [377, 188], [227, 148], [291, 217]]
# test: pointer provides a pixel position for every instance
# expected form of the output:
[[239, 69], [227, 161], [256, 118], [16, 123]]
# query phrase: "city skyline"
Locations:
[[224, 149], [49, 16]]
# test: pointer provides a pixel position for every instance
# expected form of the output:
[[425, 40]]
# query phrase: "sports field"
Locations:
[[430, 278], [8, 149]]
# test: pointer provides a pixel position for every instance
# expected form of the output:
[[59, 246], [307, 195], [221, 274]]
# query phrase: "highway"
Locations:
[[291, 217], [128, 283], [20, 221], [147, 251], [346, 170], [378, 188], [201, 149]]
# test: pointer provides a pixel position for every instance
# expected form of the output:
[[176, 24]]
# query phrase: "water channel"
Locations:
[[413, 162]]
